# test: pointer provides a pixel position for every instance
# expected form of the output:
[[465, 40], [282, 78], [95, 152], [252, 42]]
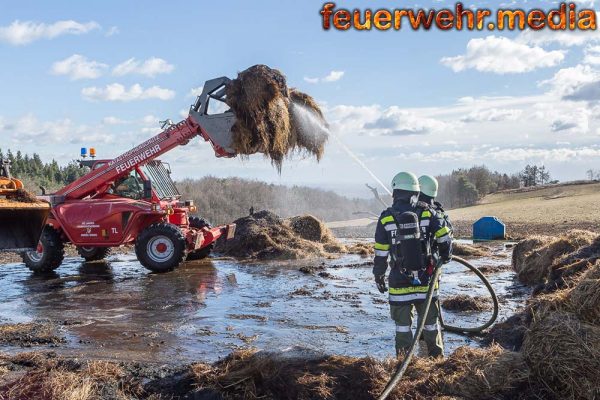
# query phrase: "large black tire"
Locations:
[[160, 247], [93, 253], [50, 252], [199, 223]]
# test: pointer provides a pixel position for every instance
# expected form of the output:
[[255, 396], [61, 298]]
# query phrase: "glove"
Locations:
[[445, 250], [380, 281]]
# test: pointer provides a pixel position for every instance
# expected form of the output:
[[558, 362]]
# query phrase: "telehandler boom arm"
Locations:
[[215, 129]]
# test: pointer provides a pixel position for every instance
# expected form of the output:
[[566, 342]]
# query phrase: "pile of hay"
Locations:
[[463, 302], [273, 119], [363, 249], [491, 373], [51, 378], [467, 373], [534, 259], [465, 250], [564, 354], [265, 235], [558, 333]]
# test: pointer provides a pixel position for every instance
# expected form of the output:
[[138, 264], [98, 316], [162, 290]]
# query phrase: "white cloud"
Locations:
[[195, 92], [591, 55], [333, 76], [78, 67], [566, 38], [492, 115], [29, 129], [149, 120], [110, 120], [311, 80], [24, 32], [118, 92], [567, 80], [151, 67], [502, 55], [395, 121]]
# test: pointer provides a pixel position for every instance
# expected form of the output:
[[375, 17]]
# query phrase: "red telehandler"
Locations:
[[133, 200]]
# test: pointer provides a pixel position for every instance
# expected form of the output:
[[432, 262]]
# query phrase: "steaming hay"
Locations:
[[264, 235], [533, 258], [463, 302], [564, 354], [266, 122], [465, 250]]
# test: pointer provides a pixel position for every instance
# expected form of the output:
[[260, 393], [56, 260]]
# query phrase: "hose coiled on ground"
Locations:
[[436, 274], [488, 285]]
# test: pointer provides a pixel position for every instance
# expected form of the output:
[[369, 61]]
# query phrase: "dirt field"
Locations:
[[550, 210]]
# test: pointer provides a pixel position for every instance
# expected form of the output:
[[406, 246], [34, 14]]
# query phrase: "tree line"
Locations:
[[593, 174], [221, 200], [35, 172], [465, 186]]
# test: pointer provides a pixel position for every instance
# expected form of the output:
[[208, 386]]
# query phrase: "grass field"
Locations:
[[547, 210]]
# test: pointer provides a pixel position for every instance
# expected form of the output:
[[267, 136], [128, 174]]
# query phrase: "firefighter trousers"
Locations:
[[403, 317]]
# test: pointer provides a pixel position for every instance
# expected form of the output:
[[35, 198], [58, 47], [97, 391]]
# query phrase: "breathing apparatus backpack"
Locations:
[[406, 246]]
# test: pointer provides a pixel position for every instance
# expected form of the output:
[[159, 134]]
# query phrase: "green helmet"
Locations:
[[406, 181], [429, 185]]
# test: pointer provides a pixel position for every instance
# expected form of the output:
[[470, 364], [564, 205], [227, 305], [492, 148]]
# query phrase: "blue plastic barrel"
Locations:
[[489, 228]]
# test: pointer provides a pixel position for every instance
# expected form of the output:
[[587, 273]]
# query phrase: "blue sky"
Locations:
[[103, 73]]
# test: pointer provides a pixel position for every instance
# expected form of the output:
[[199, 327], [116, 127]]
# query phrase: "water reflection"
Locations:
[[205, 309]]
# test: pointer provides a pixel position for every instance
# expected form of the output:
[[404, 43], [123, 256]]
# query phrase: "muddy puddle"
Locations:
[[204, 310]]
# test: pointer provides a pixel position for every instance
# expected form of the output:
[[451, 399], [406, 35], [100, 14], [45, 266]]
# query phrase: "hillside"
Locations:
[[550, 209], [224, 200]]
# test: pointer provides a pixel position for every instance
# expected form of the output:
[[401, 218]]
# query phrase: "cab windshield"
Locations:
[[159, 175], [130, 186]]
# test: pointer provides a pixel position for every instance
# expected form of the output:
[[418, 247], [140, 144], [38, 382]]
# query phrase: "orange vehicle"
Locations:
[[22, 216]]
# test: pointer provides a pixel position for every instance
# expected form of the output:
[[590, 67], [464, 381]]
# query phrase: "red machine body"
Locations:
[[90, 216], [132, 200]]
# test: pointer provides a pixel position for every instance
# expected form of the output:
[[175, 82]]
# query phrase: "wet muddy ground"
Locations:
[[205, 310]]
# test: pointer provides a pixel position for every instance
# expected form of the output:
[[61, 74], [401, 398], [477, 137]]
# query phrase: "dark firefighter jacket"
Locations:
[[435, 231]]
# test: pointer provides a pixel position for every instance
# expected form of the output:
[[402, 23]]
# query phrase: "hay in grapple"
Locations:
[[271, 118]]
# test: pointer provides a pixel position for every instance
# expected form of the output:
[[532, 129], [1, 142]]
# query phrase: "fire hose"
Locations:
[[400, 370]]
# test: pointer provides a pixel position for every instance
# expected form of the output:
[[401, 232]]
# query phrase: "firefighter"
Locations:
[[398, 238], [429, 191]]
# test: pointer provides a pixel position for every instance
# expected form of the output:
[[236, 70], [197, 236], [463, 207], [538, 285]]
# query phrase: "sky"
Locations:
[[102, 74]]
